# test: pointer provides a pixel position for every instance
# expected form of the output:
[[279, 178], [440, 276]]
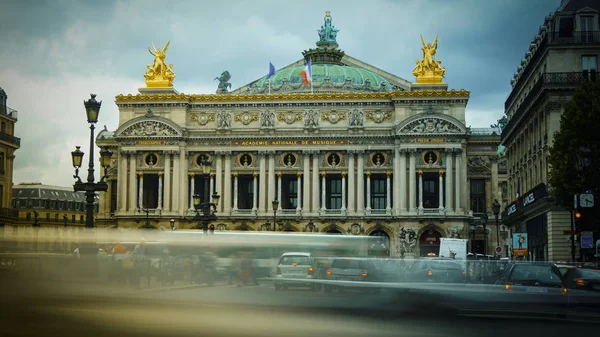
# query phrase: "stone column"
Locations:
[[458, 204], [122, 182], [160, 191], [192, 182], [323, 191], [219, 177], [299, 188], [315, 182], [368, 175], [262, 178], [343, 208], [412, 175], [271, 187], [254, 193], [449, 191], [351, 187], [279, 189], [183, 192], [211, 185], [420, 190], [401, 187], [132, 182], [388, 194], [397, 190], [441, 188], [227, 184], [141, 190], [177, 180], [360, 182], [306, 201], [235, 191], [167, 182]]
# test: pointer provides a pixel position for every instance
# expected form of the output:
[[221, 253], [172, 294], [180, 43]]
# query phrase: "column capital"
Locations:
[[441, 173], [270, 152], [402, 150], [457, 150], [448, 151], [307, 152], [323, 174], [226, 153], [344, 174], [235, 175], [262, 152], [192, 175], [139, 174], [420, 173], [299, 174], [411, 151], [368, 174], [160, 174], [255, 175], [359, 151], [212, 175], [279, 174], [388, 174]]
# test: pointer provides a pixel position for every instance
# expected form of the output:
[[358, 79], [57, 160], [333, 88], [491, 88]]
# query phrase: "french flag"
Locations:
[[306, 74], [518, 190]]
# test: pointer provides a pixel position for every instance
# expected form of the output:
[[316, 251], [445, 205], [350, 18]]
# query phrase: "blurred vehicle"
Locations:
[[533, 277], [390, 270], [293, 268], [351, 269], [564, 268], [437, 270], [582, 279]]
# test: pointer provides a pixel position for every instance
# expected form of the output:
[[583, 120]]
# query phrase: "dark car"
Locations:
[[543, 278], [436, 270], [582, 279], [351, 269]]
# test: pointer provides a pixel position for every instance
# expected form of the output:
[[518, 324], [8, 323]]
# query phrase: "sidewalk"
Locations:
[[156, 286]]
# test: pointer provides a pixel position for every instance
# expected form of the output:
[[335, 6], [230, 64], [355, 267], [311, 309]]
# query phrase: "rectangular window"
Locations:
[[56, 217], [28, 216], [3, 128], [289, 191], [478, 195], [73, 218], [587, 28], [48, 216], [378, 192], [589, 63], [333, 191], [245, 192], [566, 28], [2, 163], [113, 197], [81, 219]]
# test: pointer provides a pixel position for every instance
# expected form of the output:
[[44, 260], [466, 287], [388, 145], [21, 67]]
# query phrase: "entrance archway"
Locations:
[[382, 246], [333, 231], [429, 242]]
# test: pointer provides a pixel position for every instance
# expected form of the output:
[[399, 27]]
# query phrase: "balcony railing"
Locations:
[[9, 213], [10, 139], [577, 37]]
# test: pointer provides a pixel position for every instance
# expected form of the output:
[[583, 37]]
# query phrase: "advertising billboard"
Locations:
[[519, 244]]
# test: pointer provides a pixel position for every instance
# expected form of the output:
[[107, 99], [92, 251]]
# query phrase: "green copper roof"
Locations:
[[337, 75]]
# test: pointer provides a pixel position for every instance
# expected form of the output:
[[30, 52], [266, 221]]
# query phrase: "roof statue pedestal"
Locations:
[[327, 51], [159, 76], [429, 71]]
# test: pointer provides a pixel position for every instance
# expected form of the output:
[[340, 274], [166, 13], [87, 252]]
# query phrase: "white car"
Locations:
[[294, 269]]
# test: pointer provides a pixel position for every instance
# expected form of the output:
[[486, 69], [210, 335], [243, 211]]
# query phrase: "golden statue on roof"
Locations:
[[428, 70], [159, 75]]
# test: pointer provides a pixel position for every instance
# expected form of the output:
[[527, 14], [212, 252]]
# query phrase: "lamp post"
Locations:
[[496, 209], [172, 224], [208, 208], [275, 207], [484, 219], [90, 187], [472, 229]]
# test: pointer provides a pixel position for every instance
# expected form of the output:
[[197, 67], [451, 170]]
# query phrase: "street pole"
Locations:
[[275, 207], [572, 238]]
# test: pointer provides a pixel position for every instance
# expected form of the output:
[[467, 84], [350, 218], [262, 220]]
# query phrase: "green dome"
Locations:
[[339, 75]]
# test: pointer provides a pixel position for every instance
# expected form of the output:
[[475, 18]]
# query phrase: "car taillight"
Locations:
[[310, 270], [329, 272], [363, 273], [580, 282], [429, 273], [278, 271], [508, 286]]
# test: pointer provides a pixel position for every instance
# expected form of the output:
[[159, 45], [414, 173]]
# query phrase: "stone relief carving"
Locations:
[[267, 118], [430, 125], [356, 117], [407, 240], [311, 118], [455, 232], [290, 117], [356, 229], [246, 117], [478, 164], [202, 118], [379, 116], [333, 116], [224, 119], [149, 128]]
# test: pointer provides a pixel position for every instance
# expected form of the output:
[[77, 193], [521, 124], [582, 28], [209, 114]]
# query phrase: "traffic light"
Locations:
[[578, 218], [212, 229]]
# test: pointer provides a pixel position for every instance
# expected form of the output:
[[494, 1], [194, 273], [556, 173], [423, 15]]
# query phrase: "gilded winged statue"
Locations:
[[159, 73], [429, 68]]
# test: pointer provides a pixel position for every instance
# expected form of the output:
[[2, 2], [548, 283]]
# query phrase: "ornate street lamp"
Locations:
[[90, 187], [172, 224], [496, 210], [203, 204], [275, 207]]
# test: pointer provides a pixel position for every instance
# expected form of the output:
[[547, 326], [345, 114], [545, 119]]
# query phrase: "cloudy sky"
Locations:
[[55, 52]]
